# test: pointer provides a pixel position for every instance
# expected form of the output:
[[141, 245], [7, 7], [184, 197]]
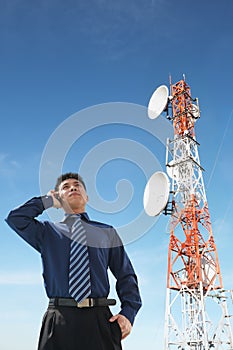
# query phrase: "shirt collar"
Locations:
[[83, 216]]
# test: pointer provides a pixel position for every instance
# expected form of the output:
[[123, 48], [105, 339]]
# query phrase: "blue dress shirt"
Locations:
[[105, 248]]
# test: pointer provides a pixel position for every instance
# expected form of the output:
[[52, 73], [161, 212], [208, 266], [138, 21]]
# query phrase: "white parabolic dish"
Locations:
[[156, 194], [158, 102]]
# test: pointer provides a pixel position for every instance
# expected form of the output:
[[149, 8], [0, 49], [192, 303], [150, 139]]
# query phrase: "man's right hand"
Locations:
[[56, 202]]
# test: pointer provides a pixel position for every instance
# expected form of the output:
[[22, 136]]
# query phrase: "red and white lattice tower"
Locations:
[[196, 304]]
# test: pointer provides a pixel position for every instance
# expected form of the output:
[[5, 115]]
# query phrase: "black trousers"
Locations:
[[70, 328]]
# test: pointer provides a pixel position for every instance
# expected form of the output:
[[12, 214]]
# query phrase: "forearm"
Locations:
[[28, 211], [127, 284], [128, 292]]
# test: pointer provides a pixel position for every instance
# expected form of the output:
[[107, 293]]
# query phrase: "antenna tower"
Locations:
[[196, 316]]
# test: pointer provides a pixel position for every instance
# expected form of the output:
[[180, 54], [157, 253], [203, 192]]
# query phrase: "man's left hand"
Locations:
[[124, 324]]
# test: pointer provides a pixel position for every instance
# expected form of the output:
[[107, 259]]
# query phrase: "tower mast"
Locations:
[[196, 304]]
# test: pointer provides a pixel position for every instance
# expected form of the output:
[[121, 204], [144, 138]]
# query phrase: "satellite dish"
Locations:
[[156, 194], [158, 102], [172, 170]]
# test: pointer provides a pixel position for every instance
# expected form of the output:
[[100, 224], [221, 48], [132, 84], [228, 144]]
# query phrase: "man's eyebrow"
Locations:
[[68, 183]]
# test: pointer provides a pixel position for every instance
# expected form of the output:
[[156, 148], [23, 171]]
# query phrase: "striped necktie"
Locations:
[[79, 270]]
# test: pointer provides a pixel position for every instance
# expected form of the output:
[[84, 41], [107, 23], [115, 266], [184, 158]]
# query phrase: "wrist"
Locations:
[[47, 201]]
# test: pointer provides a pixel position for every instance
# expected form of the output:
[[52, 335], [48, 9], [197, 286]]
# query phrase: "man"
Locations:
[[78, 316]]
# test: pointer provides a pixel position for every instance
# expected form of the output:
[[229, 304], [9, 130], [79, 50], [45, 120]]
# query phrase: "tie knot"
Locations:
[[70, 220]]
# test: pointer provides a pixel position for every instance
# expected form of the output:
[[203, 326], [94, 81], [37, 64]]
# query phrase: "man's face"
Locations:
[[73, 196]]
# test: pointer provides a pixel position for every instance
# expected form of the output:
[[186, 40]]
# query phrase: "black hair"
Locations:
[[66, 176]]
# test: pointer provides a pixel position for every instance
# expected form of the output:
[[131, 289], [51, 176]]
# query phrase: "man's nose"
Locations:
[[73, 188]]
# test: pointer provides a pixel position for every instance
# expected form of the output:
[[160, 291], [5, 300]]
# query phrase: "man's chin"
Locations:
[[72, 208]]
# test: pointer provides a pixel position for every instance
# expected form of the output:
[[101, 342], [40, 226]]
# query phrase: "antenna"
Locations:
[[156, 194], [170, 79], [172, 169], [194, 112], [158, 102], [194, 281]]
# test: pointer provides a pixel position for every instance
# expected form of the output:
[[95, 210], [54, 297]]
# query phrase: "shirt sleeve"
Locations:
[[126, 280], [22, 220]]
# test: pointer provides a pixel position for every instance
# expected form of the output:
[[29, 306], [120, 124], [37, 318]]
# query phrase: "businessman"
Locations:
[[76, 254]]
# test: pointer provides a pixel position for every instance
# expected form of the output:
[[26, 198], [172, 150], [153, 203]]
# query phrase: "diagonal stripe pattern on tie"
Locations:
[[79, 272]]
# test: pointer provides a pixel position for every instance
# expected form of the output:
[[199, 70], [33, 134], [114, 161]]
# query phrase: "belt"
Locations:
[[88, 302]]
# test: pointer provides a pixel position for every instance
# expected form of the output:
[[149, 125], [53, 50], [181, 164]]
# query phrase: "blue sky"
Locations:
[[58, 60]]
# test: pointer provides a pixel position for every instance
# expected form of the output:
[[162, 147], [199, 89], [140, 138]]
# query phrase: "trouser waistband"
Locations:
[[88, 302]]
